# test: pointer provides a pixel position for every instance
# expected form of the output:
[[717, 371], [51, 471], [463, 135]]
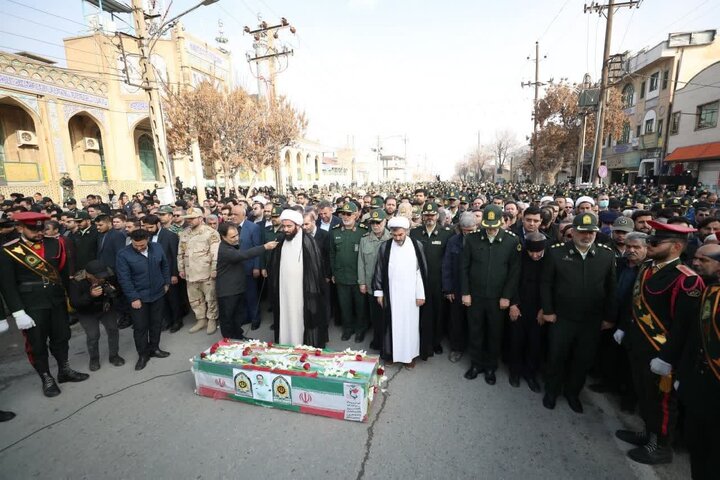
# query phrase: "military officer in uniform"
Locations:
[[34, 273], [666, 301], [367, 258], [489, 276], [344, 248], [434, 239], [577, 293]]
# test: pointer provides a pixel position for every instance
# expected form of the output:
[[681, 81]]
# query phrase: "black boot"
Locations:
[[94, 364], [117, 360], [634, 438], [49, 387], [5, 416], [67, 374], [651, 453]]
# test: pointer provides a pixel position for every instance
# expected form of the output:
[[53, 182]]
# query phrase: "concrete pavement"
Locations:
[[431, 423]]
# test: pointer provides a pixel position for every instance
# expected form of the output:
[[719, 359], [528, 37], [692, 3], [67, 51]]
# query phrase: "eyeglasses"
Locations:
[[176, 215], [654, 242]]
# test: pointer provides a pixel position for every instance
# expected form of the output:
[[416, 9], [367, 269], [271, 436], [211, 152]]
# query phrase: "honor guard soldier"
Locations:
[[34, 273], [434, 239], [577, 293], [489, 276], [666, 302], [344, 248]]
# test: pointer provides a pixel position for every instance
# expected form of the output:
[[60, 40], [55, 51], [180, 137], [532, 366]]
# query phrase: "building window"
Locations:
[[637, 131], [148, 161], [707, 115], [628, 96], [660, 127], [666, 79], [675, 123], [642, 90], [654, 78], [649, 124], [626, 133]]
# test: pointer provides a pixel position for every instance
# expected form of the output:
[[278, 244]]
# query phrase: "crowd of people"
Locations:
[[557, 282]]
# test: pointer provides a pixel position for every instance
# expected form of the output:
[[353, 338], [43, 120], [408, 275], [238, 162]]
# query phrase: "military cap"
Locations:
[[70, 201], [430, 209], [376, 216], [492, 217], [463, 199], [668, 230], [31, 219], [415, 210], [6, 222], [586, 222], [348, 207], [623, 224], [674, 202], [165, 209], [452, 195], [82, 215], [276, 211], [193, 213], [377, 202]]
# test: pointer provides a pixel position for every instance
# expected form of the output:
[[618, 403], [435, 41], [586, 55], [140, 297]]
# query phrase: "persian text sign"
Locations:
[[45, 89]]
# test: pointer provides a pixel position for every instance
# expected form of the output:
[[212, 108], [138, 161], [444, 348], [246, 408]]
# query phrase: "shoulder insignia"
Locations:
[[509, 232], [557, 245], [604, 246], [684, 269], [339, 225], [362, 225], [694, 292], [447, 229], [519, 247], [11, 242]]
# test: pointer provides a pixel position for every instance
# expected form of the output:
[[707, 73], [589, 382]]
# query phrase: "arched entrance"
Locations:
[[317, 168], [19, 144], [145, 152], [87, 148], [288, 168], [299, 166]]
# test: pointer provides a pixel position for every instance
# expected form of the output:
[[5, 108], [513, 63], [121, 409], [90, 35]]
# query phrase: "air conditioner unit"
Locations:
[[91, 144], [26, 138]]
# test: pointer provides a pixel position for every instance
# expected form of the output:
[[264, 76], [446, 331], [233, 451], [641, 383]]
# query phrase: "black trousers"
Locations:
[[457, 325], [352, 309], [702, 432], [377, 319], [231, 315], [52, 328], [572, 347], [525, 345], [485, 323], [435, 303], [91, 324], [659, 410], [173, 306], [147, 325]]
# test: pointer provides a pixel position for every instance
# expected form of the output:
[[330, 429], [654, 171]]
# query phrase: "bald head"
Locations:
[[704, 264], [238, 214]]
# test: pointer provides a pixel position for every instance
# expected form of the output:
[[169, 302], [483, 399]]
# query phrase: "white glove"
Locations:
[[23, 320], [618, 336], [4, 326], [660, 367], [676, 385]]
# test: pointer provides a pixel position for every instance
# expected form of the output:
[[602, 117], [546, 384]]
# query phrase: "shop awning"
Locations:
[[705, 151]]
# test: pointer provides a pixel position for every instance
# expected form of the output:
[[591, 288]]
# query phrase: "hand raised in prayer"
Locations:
[[419, 302], [466, 300], [363, 289], [271, 245], [514, 313], [504, 303]]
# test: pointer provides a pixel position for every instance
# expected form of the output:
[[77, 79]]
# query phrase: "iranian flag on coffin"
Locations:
[[298, 378]]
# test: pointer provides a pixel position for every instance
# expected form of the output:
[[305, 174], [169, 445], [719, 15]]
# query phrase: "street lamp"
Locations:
[[160, 31]]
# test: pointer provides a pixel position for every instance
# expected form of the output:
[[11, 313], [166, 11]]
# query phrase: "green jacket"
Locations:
[[269, 235], [369, 245], [434, 247], [344, 248], [490, 270]]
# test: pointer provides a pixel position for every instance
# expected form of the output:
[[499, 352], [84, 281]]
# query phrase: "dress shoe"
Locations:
[[439, 350], [490, 377], [651, 453], [117, 360], [142, 361], [94, 364], [514, 380], [5, 416], [157, 353], [67, 374], [360, 337], [549, 402], [473, 372], [199, 325], [455, 357], [345, 337], [533, 384], [175, 327], [254, 326], [574, 403], [211, 327], [634, 438], [49, 387]]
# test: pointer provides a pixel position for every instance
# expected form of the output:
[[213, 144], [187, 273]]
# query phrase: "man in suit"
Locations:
[[250, 236], [109, 240], [169, 243], [326, 220]]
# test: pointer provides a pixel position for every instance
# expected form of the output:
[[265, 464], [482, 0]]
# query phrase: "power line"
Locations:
[[38, 23], [553, 20], [50, 43], [46, 12]]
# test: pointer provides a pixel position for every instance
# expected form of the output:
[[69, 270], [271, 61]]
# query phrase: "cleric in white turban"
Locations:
[[297, 286]]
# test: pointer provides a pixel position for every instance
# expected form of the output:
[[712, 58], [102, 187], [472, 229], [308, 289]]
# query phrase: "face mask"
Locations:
[[603, 203]]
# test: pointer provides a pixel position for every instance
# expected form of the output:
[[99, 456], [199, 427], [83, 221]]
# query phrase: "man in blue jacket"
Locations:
[[144, 275], [250, 237]]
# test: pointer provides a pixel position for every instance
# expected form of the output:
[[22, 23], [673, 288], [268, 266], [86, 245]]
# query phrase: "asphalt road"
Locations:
[[431, 423]]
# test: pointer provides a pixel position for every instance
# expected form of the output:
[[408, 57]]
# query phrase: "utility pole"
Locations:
[[149, 84], [609, 11], [537, 84]]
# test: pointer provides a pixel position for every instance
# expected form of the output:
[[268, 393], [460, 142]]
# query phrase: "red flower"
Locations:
[[214, 348], [226, 340], [247, 351], [352, 372], [254, 360], [270, 344], [203, 355], [303, 357], [380, 371], [306, 366], [358, 357], [318, 353]]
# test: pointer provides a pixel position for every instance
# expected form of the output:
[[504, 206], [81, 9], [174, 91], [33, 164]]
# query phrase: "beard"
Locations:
[[292, 234]]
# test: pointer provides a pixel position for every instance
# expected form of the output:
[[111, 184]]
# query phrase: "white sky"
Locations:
[[436, 71]]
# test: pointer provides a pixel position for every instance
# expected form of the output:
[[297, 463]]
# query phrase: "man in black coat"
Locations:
[[84, 241], [109, 240]]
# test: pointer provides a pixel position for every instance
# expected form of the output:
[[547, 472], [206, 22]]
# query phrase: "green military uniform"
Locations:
[[434, 244], [344, 248], [580, 291], [367, 258], [489, 271]]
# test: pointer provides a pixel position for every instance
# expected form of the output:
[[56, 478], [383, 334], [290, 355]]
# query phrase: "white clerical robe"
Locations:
[[405, 287], [292, 325]]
